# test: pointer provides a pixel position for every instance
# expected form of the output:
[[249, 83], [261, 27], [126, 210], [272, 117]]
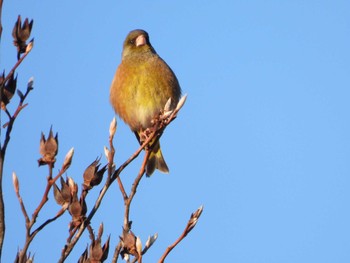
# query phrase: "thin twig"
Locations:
[[24, 211], [116, 252], [2, 156], [9, 125], [72, 241], [12, 71], [133, 191], [157, 132], [30, 223], [45, 197], [1, 1], [59, 213], [190, 225], [7, 137]]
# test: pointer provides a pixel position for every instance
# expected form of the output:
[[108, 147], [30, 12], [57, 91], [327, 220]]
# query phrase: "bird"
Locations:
[[142, 85]]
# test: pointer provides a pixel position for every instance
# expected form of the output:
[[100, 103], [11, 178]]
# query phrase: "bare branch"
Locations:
[[117, 252], [155, 134], [16, 186], [1, 1], [190, 225], [9, 125], [30, 223], [133, 191], [12, 71]]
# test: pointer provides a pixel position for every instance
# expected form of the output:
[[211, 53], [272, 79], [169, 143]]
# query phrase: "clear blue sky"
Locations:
[[263, 141]]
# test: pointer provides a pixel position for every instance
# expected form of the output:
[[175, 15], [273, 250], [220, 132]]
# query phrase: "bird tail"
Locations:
[[156, 161]]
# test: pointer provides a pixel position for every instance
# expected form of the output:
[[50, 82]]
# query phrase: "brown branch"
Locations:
[[45, 197], [2, 159], [2, 156], [190, 225], [72, 241], [133, 191], [59, 213], [1, 2], [12, 71], [9, 125], [116, 252], [3, 148], [159, 128], [20, 200], [30, 223]]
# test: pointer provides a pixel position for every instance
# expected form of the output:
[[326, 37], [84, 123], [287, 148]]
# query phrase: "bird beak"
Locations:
[[140, 40]]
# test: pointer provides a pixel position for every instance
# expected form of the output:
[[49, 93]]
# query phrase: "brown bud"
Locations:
[[96, 252], [77, 212], [77, 208], [21, 33], [92, 175], [62, 196], [27, 258], [194, 219], [8, 90], [84, 258], [129, 244], [48, 149], [99, 253]]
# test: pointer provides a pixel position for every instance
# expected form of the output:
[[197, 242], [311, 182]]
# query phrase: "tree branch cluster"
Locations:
[[66, 192]]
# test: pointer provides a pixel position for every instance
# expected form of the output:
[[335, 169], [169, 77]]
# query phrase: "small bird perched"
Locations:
[[140, 89]]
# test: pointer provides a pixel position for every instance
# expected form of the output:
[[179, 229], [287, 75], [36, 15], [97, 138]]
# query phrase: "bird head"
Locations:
[[136, 42]]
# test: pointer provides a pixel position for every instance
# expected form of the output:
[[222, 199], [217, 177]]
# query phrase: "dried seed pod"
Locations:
[[8, 90], [99, 253], [48, 149], [93, 175], [62, 196], [129, 244], [21, 33]]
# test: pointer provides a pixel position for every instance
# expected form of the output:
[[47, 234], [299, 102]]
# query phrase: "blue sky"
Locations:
[[262, 142]]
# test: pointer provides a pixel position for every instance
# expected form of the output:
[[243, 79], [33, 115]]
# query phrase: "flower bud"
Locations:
[[167, 106], [15, 182], [113, 127], [30, 46], [68, 159], [107, 152], [151, 240], [30, 83], [138, 246], [194, 218], [181, 102]]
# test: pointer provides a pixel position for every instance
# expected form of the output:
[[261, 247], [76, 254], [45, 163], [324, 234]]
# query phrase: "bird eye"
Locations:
[[132, 41]]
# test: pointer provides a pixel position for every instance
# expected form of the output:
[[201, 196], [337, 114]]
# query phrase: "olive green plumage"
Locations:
[[140, 89]]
